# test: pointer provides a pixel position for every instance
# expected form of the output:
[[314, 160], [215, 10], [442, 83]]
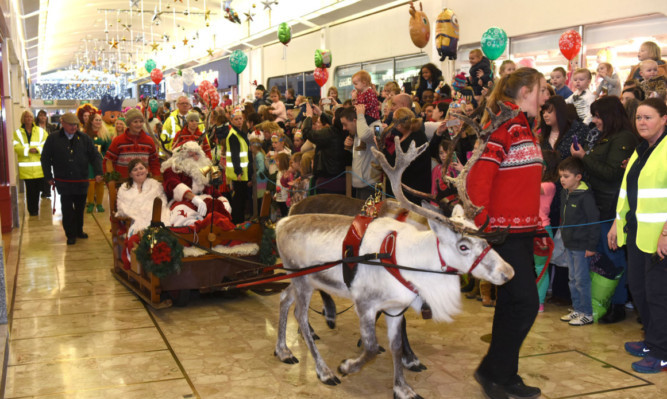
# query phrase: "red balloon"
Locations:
[[156, 76], [211, 97], [570, 44], [321, 76]]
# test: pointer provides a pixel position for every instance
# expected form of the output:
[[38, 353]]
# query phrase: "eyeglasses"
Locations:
[[182, 103]]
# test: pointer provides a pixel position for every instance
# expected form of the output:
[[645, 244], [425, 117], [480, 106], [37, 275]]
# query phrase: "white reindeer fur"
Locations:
[[311, 239]]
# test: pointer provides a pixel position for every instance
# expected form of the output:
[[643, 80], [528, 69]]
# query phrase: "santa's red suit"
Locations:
[[181, 175]]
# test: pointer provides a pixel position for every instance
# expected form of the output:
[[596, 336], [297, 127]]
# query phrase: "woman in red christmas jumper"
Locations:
[[506, 182]]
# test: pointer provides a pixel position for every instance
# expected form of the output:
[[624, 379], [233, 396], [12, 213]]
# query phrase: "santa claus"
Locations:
[[191, 197]]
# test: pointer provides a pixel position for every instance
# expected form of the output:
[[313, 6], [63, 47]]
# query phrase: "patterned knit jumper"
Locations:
[[506, 179]]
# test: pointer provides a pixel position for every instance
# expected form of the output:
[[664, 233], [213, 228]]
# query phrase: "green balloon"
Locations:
[[323, 58], [238, 61], [180, 72], [152, 103], [494, 42], [149, 65], [284, 33]]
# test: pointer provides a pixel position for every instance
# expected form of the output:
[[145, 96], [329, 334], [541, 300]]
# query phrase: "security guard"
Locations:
[[28, 144], [176, 121], [237, 167]]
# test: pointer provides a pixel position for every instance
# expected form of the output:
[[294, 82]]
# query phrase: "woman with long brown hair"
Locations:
[[96, 130], [505, 181]]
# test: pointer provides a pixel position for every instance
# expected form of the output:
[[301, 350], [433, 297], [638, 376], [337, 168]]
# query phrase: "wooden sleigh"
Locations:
[[205, 273]]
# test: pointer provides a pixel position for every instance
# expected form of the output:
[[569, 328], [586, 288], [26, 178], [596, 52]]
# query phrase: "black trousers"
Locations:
[[72, 207], [239, 198], [516, 310], [647, 279], [32, 189]]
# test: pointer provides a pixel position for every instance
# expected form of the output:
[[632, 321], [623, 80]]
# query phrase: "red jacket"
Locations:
[[176, 185], [184, 136], [126, 147], [506, 179]]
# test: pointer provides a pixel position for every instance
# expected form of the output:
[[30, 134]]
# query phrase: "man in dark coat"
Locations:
[[69, 152]]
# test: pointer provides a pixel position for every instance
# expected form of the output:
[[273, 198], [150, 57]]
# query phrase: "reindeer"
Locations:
[[451, 242]]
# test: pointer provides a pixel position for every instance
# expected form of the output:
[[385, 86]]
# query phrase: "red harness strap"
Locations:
[[351, 245], [389, 247]]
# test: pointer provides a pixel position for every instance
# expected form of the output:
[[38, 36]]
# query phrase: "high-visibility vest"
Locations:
[[243, 155], [30, 166], [172, 126], [651, 209]]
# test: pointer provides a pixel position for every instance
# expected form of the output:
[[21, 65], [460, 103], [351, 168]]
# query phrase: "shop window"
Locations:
[[343, 79], [408, 68], [618, 42], [300, 82]]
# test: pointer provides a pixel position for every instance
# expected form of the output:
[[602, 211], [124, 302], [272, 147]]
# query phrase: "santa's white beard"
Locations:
[[192, 168]]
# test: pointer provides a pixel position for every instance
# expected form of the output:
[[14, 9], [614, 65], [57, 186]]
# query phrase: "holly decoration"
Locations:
[[322, 58], [159, 252], [267, 247]]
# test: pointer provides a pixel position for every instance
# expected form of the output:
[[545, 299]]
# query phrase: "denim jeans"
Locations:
[[580, 281]]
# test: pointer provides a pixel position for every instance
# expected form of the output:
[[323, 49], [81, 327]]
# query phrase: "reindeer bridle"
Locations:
[[450, 270]]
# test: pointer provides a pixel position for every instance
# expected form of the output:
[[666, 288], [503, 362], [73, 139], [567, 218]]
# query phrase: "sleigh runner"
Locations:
[[206, 265]]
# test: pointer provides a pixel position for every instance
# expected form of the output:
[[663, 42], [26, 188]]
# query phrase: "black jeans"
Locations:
[[516, 309], [647, 279], [72, 208], [239, 197], [32, 189]]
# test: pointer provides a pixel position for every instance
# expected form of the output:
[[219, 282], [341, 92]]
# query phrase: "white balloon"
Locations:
[[188, 76], [176, 83]]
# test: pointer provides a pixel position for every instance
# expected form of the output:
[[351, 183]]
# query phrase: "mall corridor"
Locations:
[[76, 332]]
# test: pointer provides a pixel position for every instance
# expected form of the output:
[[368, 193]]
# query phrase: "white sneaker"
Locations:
[[582, 320], [570, 316]]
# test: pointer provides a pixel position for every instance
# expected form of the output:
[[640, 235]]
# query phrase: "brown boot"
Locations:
[[485, 290], [475, 291]]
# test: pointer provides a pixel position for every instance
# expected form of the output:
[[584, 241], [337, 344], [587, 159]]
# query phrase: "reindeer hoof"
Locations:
[[340, 370], [330, 381], [359, 343], [315, 336], [288, 360], [331, 324], [381, 349]]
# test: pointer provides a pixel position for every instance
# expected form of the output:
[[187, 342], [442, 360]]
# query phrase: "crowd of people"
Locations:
[[582, 153]]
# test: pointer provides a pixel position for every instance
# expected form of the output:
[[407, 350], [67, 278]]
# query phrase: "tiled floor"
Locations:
[[77, 333]]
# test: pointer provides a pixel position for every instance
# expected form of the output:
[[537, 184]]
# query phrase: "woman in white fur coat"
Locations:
[[135, 197]]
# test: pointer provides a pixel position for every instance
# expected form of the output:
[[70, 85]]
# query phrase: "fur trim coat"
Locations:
[[138, 205]]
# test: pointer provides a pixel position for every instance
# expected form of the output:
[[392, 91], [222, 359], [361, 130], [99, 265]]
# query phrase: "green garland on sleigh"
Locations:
[[267, 251], [159, 252]]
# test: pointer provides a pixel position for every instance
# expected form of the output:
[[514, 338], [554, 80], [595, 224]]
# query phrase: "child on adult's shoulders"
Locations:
[[583, 97], [364, 94], [480, 71], [558, 78]]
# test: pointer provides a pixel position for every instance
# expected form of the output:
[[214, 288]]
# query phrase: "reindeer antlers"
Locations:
[[403, 160], [483, 134]]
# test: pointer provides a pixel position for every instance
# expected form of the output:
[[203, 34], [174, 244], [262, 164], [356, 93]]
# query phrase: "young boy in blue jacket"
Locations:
[[578, 209]]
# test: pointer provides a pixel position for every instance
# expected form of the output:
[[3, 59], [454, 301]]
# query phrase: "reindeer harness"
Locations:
[[387, 255]]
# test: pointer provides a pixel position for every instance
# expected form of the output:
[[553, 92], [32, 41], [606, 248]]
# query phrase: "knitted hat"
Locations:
[[192, 116], [132, 115], [459, 81]]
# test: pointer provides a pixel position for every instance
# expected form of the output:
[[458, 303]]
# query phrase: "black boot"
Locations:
[[615, 314]]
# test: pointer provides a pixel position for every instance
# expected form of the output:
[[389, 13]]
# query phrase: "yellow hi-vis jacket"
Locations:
[[651, 200], [243, 155], [171, 126], [30, 166]]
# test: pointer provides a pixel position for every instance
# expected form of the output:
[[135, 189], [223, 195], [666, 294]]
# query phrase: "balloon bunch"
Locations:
[[322, 62], [209, 94]]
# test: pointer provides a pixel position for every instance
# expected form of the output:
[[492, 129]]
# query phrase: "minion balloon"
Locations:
[[447, 34]]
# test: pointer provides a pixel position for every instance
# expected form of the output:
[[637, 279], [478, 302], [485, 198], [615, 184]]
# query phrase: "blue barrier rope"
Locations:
[[583, 224], [391, 196]]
